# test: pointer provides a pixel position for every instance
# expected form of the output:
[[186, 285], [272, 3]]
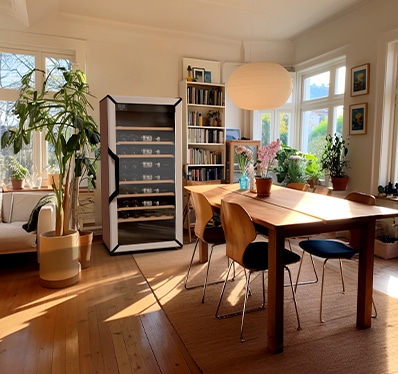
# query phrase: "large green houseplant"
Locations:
[[62, 113], [334, 160]]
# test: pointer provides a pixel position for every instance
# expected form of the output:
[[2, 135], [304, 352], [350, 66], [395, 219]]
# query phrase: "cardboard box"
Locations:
[[386, 250]]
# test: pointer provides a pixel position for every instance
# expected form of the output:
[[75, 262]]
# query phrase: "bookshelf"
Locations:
[[203, 114]]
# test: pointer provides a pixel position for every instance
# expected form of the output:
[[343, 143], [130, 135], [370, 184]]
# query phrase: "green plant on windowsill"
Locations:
[[334, 156], [17, 171]]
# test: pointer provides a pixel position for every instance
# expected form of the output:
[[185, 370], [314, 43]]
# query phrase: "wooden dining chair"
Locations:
[[299, 186], [207, 231], [336, 249], [322, 190], [241, 248]]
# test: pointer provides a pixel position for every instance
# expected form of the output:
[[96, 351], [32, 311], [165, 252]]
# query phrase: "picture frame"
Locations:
[[207, 76], [360, 80], [198, 74], [232, 134], [358, 118]]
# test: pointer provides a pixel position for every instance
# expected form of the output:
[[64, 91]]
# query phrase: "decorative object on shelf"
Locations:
[[207, 76], [214, 118], [358, 118], [334, 161], [198, 74], [360, 80], [260, 85], [18, 173], [265, 163], [189, 77]]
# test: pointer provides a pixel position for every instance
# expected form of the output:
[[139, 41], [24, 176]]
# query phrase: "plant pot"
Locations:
[[17, 184], [85, 242], [59, 259], [339, 183], [263, 186]]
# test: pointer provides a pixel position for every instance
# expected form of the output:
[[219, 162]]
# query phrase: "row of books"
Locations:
[[203, 156], [205, 174], [205, 96], [205, 136]]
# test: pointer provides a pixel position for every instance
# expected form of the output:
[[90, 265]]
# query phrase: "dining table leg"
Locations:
[[365, 274], [276, 245]]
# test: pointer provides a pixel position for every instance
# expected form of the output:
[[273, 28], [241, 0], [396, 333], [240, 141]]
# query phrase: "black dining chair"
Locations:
[[336, 249], [240, 234], [207, 231]]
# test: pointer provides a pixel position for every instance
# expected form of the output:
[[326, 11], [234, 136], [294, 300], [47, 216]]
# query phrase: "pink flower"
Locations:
[[266, 157], [245, 157]]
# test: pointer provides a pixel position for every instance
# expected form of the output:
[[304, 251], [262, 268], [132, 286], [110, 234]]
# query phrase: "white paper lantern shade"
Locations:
[[259, 85]]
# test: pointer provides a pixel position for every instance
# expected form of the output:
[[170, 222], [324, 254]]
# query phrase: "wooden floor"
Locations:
[[110, 322]]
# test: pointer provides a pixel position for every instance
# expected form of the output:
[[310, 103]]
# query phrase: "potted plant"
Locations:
[[18, 173], [334, 161], [265, 163], [213, 117], [281, 169], [62, 113], [313, 169]]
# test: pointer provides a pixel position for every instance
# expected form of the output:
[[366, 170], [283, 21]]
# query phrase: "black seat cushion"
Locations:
[[214, 235], [255, 257], [328, 248]]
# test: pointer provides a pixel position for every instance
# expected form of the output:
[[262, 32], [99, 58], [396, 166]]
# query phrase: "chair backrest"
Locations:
[[362, 198], [203, 213], [321, 190], [299, 186], [238, 228]]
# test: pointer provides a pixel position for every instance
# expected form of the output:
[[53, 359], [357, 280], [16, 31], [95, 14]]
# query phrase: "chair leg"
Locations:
[[323, 279], [299, 271], [205, 284], [244, 306], [374, 315], [342, 276], [294, 298]]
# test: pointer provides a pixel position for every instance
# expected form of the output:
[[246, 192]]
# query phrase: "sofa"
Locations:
[[16, 209]]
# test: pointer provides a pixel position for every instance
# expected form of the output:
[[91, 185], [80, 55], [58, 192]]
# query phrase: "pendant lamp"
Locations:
[[259, 85]]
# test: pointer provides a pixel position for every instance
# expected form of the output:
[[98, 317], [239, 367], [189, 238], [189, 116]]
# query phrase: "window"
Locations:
[[13, 65], [272, 124], [321, 105]]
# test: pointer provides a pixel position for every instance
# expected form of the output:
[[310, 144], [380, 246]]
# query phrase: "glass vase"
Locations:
[[244, 181]]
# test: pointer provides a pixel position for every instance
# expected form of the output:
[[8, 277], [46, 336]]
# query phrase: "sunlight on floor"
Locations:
[[392, 288]]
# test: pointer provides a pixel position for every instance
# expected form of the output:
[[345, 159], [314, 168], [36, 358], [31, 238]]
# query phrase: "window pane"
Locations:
[[340, 81], [56, 78], [12, 67], [315, 127], [284, 126], [25, 157], [338, 120], [316, 86], [265, 128]]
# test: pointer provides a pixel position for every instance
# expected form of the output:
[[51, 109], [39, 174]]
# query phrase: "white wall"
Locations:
[[363, 34]]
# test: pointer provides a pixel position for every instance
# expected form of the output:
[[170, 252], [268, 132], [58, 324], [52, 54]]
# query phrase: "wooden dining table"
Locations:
[[288, 213]]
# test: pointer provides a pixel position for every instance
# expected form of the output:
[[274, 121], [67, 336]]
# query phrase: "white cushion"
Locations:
[[23, 204], [7, 206], [14, 238]]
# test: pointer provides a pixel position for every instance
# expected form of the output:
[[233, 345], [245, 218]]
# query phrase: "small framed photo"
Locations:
[[360, 80], [198, 74], [207, 76], [358, 118]]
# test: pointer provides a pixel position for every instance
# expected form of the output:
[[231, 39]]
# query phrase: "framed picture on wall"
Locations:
[[360, 80], [358, 118], [198, 74]]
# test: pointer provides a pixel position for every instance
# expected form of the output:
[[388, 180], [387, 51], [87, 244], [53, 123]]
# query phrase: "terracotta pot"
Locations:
[[17, 184], [339, 183], [263, 186], [85, 242]]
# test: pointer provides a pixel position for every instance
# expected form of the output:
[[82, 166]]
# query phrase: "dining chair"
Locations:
[[207, 231], [335, 249], [322, 190], [241, 248], [299, 186]]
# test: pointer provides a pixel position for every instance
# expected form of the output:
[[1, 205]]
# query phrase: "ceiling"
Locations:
[[242, 20]]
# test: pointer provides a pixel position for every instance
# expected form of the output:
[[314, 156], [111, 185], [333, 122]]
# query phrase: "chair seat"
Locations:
[[255, 257], [328, 249], [214, 235]]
